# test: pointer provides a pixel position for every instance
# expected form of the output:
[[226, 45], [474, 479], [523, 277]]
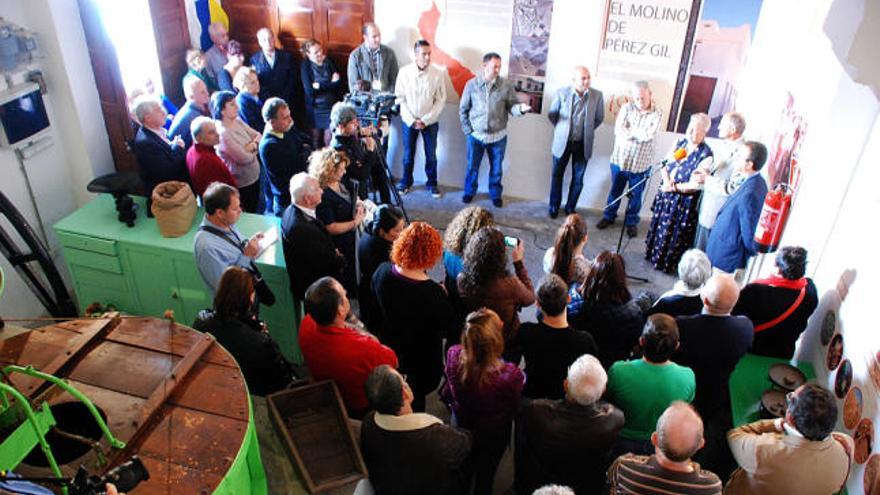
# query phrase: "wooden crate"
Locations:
[[313, 425]]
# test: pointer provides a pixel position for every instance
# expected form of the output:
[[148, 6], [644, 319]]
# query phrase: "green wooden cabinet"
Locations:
[[142, 273]]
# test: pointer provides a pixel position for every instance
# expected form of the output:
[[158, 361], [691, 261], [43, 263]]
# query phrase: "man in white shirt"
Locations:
[[719, 181], [421, 93]]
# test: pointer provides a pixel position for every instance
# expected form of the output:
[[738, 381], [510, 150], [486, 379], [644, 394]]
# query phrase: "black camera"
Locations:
[[125, 477], [373, 106]]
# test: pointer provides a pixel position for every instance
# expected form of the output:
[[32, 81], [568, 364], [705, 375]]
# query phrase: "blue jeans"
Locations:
[[575, 151], [475, 151], [410, 138], [620, 179]]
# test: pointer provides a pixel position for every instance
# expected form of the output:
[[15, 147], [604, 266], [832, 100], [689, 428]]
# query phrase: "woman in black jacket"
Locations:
[[322, 86], [233, 323], [374, 249]]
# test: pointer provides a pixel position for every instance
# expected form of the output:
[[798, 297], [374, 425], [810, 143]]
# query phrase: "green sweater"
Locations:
[[644, 390]]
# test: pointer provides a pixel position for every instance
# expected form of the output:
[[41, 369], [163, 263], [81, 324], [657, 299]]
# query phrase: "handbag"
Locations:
[[265, 295]]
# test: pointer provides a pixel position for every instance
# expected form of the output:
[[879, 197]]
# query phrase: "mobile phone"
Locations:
[[511, 241]]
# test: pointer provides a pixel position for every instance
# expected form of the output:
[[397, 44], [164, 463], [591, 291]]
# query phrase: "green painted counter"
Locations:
[[749, 380], [142, 273], [246, 475]]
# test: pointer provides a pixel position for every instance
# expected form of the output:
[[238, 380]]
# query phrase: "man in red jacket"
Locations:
[[202, 161], [336, 350]]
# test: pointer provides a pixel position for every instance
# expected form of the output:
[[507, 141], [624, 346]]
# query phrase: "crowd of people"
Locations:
[[604, 390]]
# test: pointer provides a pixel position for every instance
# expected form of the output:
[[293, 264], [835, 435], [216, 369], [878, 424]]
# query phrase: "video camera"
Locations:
[[372, 106]]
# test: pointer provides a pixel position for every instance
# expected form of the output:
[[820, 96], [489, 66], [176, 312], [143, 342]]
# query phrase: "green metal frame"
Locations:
[[16, 447]]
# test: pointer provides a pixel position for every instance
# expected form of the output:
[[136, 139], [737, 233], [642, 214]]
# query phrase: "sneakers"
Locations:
[[604, 223], [435, 193], [466, 199], [402, 188], [498, 202], [631, 231]]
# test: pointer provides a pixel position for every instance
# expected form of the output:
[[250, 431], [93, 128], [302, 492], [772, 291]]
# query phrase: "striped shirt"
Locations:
[[639, 474], [634, 133]]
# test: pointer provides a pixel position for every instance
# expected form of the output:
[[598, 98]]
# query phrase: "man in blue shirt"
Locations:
[[218, 244]]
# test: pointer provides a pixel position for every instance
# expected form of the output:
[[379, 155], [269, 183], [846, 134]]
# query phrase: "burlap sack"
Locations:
[[174, 207]]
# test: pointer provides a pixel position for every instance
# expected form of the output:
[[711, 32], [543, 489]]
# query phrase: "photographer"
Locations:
[[361, 146]]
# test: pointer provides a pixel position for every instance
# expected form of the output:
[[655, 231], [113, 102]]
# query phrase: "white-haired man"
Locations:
[[679, 435], [160, 159], [719, 180], [309, 251], [634, 132], [684, 297], [567, 441], [197, 100], [216, 56]]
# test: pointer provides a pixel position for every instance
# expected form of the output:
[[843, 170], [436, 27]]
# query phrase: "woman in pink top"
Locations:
[[238, 148], [483, 391]]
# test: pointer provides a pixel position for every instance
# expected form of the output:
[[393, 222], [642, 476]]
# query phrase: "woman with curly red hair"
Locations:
[[417, 311]]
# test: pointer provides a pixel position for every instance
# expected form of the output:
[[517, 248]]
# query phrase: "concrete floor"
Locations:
[[526, 220]]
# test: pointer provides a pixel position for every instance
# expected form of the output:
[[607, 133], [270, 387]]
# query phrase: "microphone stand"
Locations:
[[628, 194]]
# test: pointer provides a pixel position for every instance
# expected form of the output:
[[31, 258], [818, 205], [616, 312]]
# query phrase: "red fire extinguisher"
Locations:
[[774, 215]]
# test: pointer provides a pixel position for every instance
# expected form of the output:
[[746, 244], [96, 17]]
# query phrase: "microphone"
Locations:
[[677, 156]]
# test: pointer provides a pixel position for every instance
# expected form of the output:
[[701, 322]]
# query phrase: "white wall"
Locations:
[[574, 40], [80, 149]]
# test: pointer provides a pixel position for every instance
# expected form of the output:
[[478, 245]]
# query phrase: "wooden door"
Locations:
[[697, 99], [172, 41], [111, 92]]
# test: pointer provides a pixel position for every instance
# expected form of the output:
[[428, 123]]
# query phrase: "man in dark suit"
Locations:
[[197, 100], [160, 159], [567, 441], [711, 344], [309, 251], [275, 68], [283, 151], [577, 110], [731, 242]]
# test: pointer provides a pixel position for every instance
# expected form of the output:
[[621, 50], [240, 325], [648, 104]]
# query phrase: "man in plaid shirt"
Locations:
[[634, 132]]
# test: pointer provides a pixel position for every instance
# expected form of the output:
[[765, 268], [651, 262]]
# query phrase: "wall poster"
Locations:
[[529, 44]]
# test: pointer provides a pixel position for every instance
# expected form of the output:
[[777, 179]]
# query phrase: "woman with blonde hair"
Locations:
[[250, 106], [483, 390], [340, 211], [463, 226]]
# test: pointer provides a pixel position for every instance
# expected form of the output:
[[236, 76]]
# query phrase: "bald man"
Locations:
[[216, 56], [577, 110], [713, 342], [679, 435]]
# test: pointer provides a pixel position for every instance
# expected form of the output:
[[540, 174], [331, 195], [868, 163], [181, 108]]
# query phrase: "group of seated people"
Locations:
[[604, 389]]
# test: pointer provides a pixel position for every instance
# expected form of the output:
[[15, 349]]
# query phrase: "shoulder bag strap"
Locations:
[[783, 316]]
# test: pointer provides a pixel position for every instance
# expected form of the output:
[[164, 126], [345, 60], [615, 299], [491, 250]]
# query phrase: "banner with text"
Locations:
[[643, 40]]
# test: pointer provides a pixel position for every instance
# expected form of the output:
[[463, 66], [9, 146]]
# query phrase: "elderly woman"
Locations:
[[417, 312], [486, 282], [374, 248], [684, 297], [321, 85], [676, 205], [780, 304], [483, 391], [234, 61], [248, 98], [238, 148], [339, 210], [609, 312], [196, 63]]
